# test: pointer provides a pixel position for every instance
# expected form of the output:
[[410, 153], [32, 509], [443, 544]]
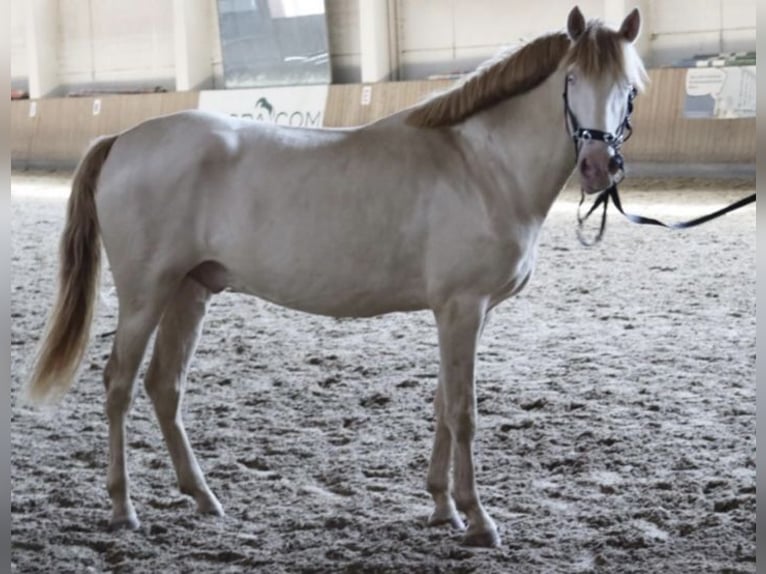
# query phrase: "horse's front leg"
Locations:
[[438, 470], [460, 323]]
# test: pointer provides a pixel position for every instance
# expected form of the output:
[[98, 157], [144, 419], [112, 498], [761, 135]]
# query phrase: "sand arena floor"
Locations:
[[616, 427]]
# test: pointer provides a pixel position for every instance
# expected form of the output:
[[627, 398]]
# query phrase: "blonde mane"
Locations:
[[598, 51]]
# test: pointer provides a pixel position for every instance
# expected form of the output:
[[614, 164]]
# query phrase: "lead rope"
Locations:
[[603, 198], [611, 193]]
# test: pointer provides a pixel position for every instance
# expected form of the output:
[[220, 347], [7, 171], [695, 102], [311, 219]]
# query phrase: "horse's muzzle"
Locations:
[[599, 167]]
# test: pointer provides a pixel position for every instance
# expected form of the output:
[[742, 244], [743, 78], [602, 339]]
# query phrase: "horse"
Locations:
[[437, 207]]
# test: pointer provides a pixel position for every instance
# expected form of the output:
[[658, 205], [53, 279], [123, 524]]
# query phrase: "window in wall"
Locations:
[[274, 42]]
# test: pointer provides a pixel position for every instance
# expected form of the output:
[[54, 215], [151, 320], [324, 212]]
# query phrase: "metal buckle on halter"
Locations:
[[613, 140], [606, 137]]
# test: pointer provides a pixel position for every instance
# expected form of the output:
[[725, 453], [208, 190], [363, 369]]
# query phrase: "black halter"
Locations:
[[615, 141], [580, 134]]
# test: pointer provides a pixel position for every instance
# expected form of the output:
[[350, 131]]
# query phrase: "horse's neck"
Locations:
[[524, 141]]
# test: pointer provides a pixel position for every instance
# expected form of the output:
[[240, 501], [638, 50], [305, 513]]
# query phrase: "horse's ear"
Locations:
[[575, 24], [631, 26]]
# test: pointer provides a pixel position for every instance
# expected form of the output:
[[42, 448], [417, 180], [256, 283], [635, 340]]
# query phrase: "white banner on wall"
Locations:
[[299, 106], [725, 92]]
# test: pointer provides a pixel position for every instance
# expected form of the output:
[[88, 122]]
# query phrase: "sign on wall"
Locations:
[[299, 106], [723, 93]]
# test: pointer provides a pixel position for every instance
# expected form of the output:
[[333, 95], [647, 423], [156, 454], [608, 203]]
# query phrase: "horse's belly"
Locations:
[[343, 302], [318, 293]]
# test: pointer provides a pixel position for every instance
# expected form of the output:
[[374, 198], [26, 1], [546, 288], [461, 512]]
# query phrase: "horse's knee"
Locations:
[[153, 380], [118, 382], [461, 422], [118, 400], [119, 395], [165, 396]]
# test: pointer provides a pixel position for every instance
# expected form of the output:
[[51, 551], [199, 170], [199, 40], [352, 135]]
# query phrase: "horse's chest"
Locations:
[[511, 287], [515, 279]]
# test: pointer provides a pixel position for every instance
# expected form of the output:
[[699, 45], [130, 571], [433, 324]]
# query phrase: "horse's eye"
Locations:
[[571, 78]]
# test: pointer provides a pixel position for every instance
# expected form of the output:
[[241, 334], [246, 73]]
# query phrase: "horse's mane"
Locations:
[[598, 51]]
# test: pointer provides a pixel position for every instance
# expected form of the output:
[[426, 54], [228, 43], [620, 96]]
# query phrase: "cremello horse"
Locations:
[[437, 207]]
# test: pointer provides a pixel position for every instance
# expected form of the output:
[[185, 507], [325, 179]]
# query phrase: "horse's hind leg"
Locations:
[[165, 380], [138, 317]]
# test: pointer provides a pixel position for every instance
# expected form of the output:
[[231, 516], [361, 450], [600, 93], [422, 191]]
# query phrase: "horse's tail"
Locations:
[[67, 333]]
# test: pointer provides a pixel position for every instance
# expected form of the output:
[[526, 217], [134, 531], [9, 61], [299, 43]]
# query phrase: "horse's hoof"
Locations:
[[451, 518], [128, 522], [488, 538], [209, 504]]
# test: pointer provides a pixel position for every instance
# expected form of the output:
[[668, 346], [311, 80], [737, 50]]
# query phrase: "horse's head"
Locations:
[[603, 70]]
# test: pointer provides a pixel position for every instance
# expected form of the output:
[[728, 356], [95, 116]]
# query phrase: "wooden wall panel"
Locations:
[[344, 102], [62, 128], [22, 129], [663, 134]]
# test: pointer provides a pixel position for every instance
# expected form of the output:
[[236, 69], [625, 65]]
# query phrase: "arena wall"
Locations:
[[54, 132]]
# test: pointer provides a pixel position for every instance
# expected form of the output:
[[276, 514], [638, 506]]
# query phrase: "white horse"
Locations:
[[437, 207]]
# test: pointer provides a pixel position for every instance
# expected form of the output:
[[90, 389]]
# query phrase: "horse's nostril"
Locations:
[[585, 166], [615, 164]]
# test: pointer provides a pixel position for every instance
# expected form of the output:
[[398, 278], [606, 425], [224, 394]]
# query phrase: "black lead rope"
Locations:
[[615, 141], [611, 193], [603, 198]]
